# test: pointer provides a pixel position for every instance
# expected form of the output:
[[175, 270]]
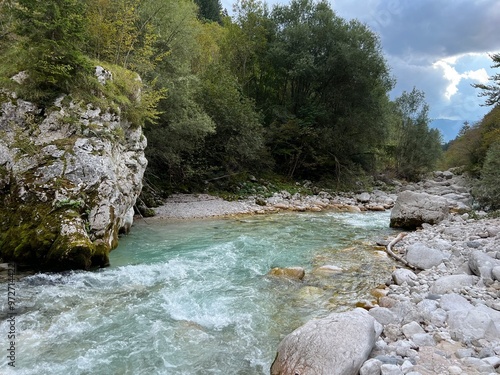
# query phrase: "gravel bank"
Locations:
[[195, 206]]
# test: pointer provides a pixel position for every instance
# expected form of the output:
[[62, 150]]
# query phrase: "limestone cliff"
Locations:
[[69, 178]]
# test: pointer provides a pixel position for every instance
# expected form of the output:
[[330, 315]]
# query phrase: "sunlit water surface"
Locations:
[[193, 297]]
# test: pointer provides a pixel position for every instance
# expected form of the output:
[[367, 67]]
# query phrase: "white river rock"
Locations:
[[338, 344]]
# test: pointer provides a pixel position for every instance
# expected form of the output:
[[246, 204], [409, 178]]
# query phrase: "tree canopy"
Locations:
[[293, 89], [416, 148]]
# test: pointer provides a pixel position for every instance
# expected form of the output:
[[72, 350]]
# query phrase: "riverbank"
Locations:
[[443, 318], [197, 206], [443, 315]]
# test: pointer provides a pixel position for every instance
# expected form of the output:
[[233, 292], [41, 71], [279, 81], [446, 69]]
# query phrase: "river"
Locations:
[[192, 297]]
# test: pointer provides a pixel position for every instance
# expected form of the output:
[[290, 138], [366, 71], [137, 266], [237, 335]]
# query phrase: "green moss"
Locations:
[[69, 203], [101, 254], [25, 145], [30, 234], [3, 172], [73, 251], [27, 234]]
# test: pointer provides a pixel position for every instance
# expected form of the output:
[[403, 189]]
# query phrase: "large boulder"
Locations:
[[402, 275], [70, 175], [338, 344], [479, 322], [447, 284], [424, 257], [411, 210], [481, 264]]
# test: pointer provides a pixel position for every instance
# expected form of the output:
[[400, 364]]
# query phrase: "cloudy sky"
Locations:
[[438, 46]]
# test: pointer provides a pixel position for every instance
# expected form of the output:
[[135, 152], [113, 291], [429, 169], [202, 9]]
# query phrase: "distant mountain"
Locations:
[[449, 128]]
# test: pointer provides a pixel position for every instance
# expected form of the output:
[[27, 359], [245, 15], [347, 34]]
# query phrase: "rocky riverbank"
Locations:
[[440, 317], [451, 188], [444, 319], [196, 206]]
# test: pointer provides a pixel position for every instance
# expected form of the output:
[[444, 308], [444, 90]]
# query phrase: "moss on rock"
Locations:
[[35, 235], [69, 173]]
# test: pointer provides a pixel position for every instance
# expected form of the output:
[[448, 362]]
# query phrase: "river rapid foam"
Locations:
[[193, 297]]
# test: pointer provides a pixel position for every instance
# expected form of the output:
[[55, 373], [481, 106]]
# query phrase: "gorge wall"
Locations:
[[69, 179]]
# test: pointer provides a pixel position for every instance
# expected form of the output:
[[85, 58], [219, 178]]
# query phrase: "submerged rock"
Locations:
[[338, 344], [69, 178], [297, 273]]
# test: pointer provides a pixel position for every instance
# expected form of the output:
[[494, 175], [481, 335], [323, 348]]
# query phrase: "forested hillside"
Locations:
[[477, 146], [294, 91]]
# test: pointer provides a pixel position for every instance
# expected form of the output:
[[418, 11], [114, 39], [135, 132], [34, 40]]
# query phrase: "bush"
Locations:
[[487, 189]]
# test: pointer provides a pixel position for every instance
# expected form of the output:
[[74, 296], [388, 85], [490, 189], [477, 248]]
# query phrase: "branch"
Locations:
[[389, 251]]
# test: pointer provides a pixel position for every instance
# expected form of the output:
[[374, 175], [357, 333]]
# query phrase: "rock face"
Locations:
[[69, 178], [411, 210], [336, 345]]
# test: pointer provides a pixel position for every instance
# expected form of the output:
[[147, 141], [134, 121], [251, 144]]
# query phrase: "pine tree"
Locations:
[[491, 91], [210, 10], [487, 190], [51, 35]]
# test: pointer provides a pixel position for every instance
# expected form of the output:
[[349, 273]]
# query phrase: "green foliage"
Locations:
[[323, 90], [6, 24], [49, 45], [122, 32], [415, 148], [175, 142], [208, 126], [491, 91], [69, 204], [209, 10], [125, 94], [238, 141], [487, 189], [463, 151], [471, 145]]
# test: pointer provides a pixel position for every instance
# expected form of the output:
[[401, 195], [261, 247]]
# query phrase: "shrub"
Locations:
[[487, 189]]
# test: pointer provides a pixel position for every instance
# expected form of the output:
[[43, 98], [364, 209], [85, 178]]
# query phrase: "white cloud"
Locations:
[[450, 73], [479, 75]]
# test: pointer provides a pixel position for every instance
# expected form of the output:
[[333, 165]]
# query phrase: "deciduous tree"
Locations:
[[417, 148]]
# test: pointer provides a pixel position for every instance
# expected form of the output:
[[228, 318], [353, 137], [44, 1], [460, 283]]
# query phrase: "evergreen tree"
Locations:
[[487, 189], [209, 10], [491, 91], [51, 35]]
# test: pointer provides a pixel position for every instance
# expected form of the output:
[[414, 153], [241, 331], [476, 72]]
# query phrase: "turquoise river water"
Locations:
[[192, 297]]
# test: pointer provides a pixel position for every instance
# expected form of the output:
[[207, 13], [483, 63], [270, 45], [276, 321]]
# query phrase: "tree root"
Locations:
[[389, 251]]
